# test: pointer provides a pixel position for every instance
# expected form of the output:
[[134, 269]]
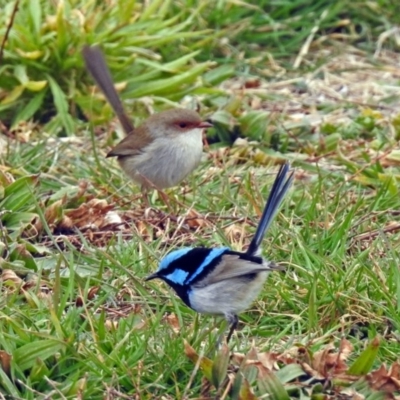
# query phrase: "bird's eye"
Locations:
[[182, 125]]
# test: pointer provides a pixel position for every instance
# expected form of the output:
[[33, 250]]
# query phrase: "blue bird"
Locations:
[[220, 280]]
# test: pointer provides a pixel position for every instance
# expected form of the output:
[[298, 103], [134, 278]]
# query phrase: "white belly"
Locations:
[[230, 296], [167, 161]]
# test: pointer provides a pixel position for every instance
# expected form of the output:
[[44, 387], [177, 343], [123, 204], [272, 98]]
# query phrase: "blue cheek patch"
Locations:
[[178, 276], [213, 254], [171, 257]]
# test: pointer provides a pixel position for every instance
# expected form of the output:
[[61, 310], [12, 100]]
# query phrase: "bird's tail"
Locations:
[[281, 185], [96, 65]]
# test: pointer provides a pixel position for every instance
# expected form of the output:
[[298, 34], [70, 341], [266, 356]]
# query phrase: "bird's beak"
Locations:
[[152, 276], [205, 124]]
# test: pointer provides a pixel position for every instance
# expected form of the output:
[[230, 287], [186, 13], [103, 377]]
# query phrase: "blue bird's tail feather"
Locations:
[[275, 198]]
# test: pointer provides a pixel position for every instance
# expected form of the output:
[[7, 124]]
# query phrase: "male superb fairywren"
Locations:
[[220, 280]]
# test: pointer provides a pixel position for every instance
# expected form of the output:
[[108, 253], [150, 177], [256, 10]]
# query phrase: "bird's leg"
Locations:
[[165, 199], [145, 196], [146, 185], [233, 320]]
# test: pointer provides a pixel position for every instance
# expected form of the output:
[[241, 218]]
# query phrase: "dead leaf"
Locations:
[[5, 362], [53, 215], [92, 292], [352, 394], [311, 371], [173, 322], [94, 215], [246, 392], [109, 324], [237, 358], [235, 233], [11, 279], [190, 352], [195, 219], [384, 380], [45, 296], [269, 360], [328, 362], [252, 83]]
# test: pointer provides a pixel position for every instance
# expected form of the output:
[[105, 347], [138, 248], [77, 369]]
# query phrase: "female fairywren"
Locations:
[[164, 149], [220, 280]]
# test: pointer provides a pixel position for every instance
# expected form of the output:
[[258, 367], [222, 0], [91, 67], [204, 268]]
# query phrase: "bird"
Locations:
[[219, 280], [164, 149]]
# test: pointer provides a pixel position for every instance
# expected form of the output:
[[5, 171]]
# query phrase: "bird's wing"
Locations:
[[131, 145], [232, 266]]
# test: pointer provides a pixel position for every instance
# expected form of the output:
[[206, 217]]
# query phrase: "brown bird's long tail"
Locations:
[[96, 65]]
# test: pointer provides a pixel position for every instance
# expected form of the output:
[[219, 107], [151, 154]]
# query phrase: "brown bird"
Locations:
[[162, 151]]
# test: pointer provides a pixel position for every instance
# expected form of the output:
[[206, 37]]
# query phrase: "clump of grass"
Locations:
[[76, 317], [160, 49], [88, 323], [42, 74]]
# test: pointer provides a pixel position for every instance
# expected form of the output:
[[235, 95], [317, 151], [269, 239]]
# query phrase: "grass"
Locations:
[[338, 283], [76, 317]]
